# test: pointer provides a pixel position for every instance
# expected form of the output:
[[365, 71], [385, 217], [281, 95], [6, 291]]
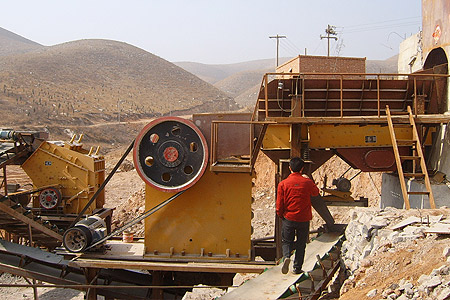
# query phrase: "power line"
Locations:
[[386, 21], [291, 49], [379, 27], [293, 45], [287, 49]]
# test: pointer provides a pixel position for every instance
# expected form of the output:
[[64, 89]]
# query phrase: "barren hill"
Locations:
[[243, 86], [11, 43], [242, 80], [88, 81], [215, 73]]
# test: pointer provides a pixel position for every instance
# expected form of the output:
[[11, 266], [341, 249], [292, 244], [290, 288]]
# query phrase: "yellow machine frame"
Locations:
[[279, 136], [211, 220], [76, 172]]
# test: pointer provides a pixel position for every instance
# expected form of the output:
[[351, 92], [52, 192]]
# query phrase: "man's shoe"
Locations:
[[285, 267], [297, 271]]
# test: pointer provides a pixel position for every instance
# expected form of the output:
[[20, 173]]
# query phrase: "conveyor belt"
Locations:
[[52, 268], [272, 284], [17, 220]]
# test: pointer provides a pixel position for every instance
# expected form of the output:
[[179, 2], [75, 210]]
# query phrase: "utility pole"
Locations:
[[278, 37], [329, 31]]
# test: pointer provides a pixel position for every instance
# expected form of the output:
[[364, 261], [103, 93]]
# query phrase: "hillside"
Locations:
[[88, 81], [215, 73], [383, 66], [11, 43], [243, 86], [243, 80]]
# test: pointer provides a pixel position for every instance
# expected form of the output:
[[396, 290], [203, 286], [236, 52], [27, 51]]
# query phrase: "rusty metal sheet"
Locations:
[[436, 24], [233, 139]]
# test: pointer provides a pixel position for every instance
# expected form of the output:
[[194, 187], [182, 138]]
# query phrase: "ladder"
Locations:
[[417, 157]]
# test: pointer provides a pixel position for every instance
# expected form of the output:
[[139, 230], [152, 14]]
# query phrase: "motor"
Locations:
[[85, 233], [8, 134]]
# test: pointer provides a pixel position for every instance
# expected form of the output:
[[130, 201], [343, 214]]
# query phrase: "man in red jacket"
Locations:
[[294, 207]]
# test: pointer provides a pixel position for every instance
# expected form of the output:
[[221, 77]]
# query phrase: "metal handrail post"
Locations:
[[266, 94], [342, 95], [378, 96]]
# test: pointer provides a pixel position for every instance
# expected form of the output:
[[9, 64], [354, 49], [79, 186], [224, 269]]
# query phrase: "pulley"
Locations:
[[49, 198], [170, 154]]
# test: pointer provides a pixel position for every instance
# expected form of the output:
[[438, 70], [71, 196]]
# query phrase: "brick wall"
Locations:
[[323, 64]]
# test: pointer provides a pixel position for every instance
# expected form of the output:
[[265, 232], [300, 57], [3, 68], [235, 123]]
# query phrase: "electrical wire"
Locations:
[[386, 21], [379, 27], [290, 48], [289, 41]]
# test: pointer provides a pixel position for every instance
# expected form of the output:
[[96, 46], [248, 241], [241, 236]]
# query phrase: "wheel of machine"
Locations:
[[76, 239], [49, 198], [170, 154]]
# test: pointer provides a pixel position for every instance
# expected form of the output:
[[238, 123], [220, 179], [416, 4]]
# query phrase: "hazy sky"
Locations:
[[226, 31]]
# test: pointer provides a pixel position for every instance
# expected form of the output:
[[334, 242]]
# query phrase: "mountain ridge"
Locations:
[[89, 80]]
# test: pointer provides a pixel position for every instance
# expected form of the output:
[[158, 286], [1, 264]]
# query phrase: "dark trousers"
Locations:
[[289, 230]]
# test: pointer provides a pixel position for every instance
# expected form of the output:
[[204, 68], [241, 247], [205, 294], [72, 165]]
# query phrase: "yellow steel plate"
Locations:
[[277, 137], [211, 220]]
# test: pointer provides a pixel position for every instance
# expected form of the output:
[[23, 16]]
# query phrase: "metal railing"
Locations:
[[254, 141], [301, 77]]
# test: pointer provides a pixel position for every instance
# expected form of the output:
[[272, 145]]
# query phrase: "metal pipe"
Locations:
[[88, 286]]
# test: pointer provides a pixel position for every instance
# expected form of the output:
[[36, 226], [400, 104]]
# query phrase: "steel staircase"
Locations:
[[419, 168]]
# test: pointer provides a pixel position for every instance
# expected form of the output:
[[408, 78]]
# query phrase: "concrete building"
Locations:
[[410, 55]]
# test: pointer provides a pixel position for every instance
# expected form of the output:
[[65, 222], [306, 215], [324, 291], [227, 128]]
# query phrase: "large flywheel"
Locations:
[[170, 154]]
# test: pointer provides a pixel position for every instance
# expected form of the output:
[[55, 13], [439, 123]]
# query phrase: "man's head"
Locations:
[[296, 164]]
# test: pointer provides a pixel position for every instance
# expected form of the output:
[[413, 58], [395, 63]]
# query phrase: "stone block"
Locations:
[[423, 278], [405, 285], [444, 294], [414, 230], [432, 282], [372, 293], [446, 252], [379, 222], [403, 297], [442, 270]]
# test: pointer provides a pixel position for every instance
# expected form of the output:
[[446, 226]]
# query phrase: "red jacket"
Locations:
[[294, 197]]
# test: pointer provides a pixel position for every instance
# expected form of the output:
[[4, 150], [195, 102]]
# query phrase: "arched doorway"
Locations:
[[436, 57], [437, 63]]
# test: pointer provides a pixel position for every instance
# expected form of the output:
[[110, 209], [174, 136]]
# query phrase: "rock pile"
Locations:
[[383, 246], [434, 286]]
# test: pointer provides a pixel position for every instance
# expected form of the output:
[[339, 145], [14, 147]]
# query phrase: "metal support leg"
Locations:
[[157, 279], [319, 205], [91, 275]]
